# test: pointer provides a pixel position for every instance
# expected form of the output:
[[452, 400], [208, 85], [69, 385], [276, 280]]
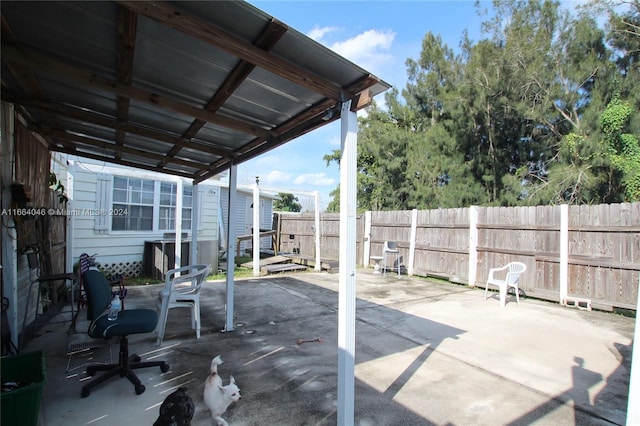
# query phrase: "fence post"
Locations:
[[564, 253], [412, 240], [473, 245], [316, 218], [366, 250]]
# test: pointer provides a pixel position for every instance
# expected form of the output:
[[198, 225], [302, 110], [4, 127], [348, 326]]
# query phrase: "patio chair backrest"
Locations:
[[181, 289], [390, 247], [515, 270], [186, 280]]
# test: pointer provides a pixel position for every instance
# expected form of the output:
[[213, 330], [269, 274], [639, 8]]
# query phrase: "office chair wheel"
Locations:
[[91, 371], [164, 367], [85, 392], [136, 358], [140, 389]]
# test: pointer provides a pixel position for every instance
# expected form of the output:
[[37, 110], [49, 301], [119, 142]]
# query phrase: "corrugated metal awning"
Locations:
[[186, 88]]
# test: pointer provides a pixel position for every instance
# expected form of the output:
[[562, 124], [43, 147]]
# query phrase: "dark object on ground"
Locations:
[[176, 410]]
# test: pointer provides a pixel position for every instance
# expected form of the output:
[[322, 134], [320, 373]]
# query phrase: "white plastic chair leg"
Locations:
[[196, 316], [162, 322], [384, 270]]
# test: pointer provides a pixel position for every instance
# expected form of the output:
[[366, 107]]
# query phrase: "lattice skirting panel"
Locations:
[[129, 269]]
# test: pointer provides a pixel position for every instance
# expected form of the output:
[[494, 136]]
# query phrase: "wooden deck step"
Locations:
[[326, 264], [268, 261], [283, 267]]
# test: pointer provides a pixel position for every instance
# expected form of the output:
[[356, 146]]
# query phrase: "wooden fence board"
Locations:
[[604, 246], [42, 234]]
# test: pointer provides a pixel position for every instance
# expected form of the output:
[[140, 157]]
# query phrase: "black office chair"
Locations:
[[131, 321]]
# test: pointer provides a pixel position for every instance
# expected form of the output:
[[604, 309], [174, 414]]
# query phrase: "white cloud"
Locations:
[[369, 49], [318, 33], [314, 179], [275, 177]]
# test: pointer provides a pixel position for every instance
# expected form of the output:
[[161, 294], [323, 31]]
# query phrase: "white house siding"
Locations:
[[122, 251], [243, 217], [239, 224]]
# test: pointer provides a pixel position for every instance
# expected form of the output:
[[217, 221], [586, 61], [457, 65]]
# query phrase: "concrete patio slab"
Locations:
[[426, 354]]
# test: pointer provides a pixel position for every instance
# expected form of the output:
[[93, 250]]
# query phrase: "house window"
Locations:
[[167, 209], [187, 206], [135, 197], [148, 205]]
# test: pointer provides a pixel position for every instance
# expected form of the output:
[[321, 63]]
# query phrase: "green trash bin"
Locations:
[[22, 380]]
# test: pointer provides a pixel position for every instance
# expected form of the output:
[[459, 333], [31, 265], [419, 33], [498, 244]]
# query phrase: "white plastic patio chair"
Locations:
[[181, 290], [514, 270], [391, 248]]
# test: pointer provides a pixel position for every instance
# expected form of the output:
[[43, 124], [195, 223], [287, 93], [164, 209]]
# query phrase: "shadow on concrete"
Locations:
[[583, 379], [296, 384], [283, 355]]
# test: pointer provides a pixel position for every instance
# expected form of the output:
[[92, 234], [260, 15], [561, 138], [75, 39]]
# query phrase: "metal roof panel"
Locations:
[[185, 87]]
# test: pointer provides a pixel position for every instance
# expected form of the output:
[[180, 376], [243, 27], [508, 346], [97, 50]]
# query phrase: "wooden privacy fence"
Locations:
[[296, 234], [573, 253], [39, 240]]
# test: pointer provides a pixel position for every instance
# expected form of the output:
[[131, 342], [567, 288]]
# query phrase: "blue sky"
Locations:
[[376, 35]]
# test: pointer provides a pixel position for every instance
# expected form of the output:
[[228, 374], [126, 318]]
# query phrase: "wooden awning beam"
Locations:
[[110, 146], [179, 20], [45, 62], [126, 42], [267, 39], [111, 123]]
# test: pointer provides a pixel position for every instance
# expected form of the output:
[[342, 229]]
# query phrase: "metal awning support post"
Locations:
[[256, 228], [347, 271], [366, 256], [195, 218], [70, 182], [178, 225], [231, 238]]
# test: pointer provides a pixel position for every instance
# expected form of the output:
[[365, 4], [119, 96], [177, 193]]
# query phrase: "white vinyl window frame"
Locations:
[[132, 204], [110, 198], [167, 206]]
